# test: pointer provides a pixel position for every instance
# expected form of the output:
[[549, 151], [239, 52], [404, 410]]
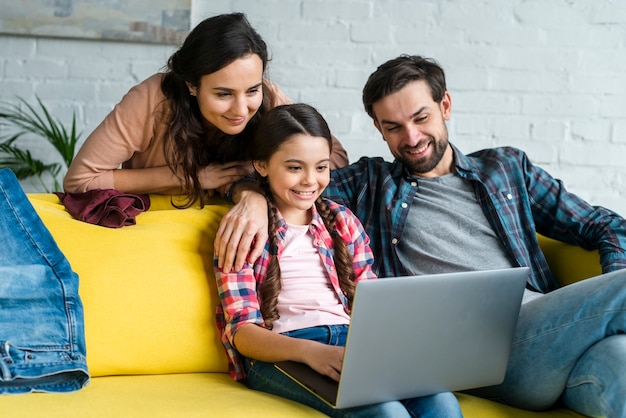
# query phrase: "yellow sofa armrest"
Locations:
[[570, 263]]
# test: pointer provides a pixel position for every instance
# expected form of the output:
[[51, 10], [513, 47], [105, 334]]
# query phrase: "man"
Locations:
[[435, 210]]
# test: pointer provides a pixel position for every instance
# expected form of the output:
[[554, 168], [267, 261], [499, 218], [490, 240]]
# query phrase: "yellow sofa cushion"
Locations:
[[570, 263], [472, 406], [148, 289], [199, 395], [156, 396]]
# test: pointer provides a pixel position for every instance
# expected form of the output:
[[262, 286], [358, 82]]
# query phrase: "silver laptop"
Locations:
[[421, 335]]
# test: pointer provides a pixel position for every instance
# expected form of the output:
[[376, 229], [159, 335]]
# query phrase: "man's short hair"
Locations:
[[394, 74]]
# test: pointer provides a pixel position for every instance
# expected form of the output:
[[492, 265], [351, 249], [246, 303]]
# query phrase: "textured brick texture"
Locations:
[[546, 76]]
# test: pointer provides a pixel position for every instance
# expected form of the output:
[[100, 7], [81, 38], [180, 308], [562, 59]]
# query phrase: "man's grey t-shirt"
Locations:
[[447, 231]]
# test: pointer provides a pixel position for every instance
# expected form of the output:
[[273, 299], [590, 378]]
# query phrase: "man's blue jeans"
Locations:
[[42, 339], [265, 377], [570, 346]]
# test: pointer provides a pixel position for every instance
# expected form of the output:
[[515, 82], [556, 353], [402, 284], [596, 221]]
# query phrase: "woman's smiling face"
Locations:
[[231, 96]]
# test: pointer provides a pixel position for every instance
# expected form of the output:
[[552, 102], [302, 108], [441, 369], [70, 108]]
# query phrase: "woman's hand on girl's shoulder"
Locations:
[[242, 232]]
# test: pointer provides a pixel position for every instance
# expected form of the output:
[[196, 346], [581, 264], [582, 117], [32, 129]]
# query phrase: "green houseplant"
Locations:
[[22, 119]]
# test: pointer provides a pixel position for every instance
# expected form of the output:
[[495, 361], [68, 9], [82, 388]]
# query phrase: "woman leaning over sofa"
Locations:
[[185, 131]]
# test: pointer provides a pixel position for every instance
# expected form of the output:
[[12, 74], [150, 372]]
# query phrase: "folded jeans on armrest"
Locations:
[[42, 340]]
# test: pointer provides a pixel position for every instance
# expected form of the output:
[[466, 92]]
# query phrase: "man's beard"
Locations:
[[427, 164]]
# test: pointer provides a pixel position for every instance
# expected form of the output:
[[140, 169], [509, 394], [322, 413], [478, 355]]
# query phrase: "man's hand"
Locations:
[[244, 224]]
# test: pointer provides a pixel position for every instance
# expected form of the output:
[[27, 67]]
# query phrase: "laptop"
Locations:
[[420, 335]]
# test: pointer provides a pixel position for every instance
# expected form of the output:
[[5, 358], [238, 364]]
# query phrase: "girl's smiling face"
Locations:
[[297, 173]]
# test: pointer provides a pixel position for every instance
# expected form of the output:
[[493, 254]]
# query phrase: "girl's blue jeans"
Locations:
[[42, 340], [265, 377]]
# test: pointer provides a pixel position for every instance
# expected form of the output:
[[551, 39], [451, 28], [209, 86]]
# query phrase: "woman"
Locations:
[[186, 131]]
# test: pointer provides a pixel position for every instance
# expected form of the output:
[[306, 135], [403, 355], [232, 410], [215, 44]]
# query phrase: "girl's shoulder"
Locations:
[[341, 213], [335, 207]]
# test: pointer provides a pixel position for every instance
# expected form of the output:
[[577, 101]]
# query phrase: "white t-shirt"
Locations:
[[307, 298]]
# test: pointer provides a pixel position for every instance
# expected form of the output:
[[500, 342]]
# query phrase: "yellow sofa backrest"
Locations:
[[570, 263], [148, 289]]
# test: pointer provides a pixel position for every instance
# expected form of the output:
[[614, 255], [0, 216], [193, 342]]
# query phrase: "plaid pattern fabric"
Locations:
[[518, 198], [237, 290]]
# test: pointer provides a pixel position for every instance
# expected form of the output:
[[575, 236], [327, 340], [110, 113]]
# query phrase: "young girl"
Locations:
[[294, 302], [186, 130]]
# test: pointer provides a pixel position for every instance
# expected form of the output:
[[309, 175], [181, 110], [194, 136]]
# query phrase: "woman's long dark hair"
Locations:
[[212, 45], [276, 127]]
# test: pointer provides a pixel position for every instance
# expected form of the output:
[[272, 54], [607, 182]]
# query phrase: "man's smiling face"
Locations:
[[414, 127]]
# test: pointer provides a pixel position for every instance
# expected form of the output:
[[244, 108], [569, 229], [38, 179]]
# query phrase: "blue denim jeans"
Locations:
[[570, 346], [265, 377], [42, 340]]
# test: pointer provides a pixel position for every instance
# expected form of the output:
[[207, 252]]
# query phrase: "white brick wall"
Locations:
[[548, 76]]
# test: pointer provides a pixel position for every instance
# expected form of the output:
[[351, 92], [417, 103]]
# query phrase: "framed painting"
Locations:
[[153, 21]]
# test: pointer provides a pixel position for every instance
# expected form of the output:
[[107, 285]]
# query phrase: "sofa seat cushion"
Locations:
[[198, 395], [482, 408], [167, 396], [149, 290]]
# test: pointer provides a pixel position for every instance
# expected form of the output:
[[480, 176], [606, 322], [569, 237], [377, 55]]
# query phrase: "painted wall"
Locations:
[[548, 76]]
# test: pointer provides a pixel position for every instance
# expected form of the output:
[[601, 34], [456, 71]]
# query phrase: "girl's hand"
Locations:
[[265, 345], [325, 359], [221, 176]]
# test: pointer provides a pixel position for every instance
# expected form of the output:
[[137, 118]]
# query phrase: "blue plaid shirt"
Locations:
[[518, 198]]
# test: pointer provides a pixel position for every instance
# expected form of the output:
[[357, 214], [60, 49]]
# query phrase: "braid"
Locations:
[[342, 258], [271, 286]]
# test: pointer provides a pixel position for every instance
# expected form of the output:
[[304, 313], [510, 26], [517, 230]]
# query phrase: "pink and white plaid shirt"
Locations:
[[238, 290]]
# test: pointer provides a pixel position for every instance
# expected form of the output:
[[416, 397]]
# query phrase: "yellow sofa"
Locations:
[[152, 346]]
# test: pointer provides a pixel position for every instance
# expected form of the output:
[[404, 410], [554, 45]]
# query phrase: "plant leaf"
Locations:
[[41, 123]]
